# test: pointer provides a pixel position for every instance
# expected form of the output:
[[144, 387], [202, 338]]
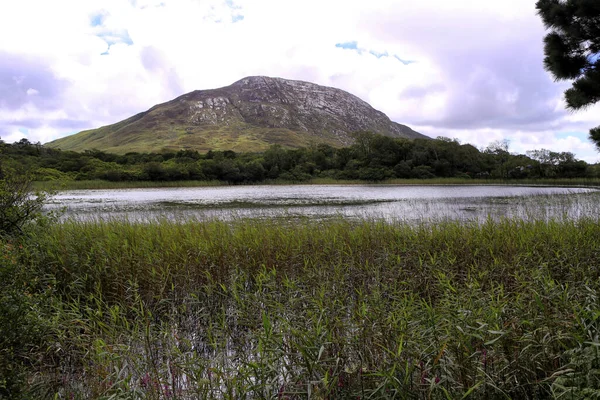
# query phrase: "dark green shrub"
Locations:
[[19, 203]]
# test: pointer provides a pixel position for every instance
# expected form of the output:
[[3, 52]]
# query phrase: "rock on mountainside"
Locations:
[[249, 115]]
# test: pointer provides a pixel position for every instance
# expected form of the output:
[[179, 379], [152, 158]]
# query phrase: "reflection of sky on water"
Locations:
[[390, 202]]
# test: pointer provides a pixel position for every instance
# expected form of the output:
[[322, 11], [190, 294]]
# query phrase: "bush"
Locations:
[[19, 203], [422, 172], [23, 321], [374, 174], [402, 169]]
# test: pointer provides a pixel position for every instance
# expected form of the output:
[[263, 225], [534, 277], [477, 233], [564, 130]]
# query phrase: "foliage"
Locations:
[[332, 309], [23, 319], [19, 204], [572, 49], [580, 379], [552, 164], [372, 158]]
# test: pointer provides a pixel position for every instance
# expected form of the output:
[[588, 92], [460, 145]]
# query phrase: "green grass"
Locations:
[[153, 134], [100, 184], [305, 309], [528, 182]]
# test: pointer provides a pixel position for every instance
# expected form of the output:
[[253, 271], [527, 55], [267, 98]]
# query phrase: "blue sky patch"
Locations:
[[97, 20], [235, 17], [116, 37], [353, 45], [348, 45], [24, 131], [581, 135], [379, 55], [405, 62], [113, 38]]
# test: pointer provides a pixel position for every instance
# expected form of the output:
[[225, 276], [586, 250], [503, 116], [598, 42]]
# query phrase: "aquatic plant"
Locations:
[[326, 309]]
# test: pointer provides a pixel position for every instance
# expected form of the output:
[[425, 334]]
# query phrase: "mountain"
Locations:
[[249, 115]]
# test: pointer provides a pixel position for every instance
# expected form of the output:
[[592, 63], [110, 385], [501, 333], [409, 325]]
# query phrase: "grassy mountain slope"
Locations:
[[249, 115]]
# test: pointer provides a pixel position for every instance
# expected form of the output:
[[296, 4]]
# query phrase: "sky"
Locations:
[[465, 69]]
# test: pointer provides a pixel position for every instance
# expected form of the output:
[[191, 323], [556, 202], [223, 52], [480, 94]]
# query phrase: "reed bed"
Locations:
[[274, 309]]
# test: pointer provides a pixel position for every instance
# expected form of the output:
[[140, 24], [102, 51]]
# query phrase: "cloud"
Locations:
[[27, 80], [575, 141], [491, 76], [154, 61], [478, 73], [348, 45], [97, 19], [354, 46]]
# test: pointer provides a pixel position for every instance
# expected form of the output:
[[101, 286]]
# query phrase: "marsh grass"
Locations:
[[282, 203], [318, 309], [573, 182]]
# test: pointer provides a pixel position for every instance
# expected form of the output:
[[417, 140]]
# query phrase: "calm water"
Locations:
[[391, 202]]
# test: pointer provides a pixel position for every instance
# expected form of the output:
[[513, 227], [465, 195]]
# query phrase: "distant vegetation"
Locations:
[[371, 158]]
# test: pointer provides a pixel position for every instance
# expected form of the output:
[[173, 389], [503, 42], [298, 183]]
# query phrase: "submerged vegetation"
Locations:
[[336, 309]]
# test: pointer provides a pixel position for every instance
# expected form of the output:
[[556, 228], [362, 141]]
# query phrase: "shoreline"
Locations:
[[100, 184]]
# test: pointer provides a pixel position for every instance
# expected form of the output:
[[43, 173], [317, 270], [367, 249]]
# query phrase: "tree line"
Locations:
[[371, 158]]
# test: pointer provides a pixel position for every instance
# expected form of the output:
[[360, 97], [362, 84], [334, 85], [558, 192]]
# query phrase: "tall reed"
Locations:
[[322, 309]]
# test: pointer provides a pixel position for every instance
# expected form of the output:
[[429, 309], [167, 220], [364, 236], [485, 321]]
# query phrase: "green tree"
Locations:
[[572, 50], [499, 149], [546, 161]]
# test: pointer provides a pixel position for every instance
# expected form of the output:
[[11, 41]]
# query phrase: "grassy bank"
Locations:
[[336, 309], [100, 184]]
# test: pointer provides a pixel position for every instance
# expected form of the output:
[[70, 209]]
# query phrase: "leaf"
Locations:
[[441, 353], [266, 323], [321, 350], [471, 389]]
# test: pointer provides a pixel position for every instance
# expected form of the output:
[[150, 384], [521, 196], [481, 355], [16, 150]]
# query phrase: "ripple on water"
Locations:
[[390, 202]]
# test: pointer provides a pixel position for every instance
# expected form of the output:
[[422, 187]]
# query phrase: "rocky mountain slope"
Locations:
[[249, 115]]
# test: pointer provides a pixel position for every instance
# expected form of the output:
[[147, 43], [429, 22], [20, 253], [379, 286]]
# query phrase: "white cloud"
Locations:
[[521, 142], [478, 73]]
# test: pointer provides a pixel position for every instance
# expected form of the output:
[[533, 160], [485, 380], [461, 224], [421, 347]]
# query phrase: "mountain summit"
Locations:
[[249, 115]]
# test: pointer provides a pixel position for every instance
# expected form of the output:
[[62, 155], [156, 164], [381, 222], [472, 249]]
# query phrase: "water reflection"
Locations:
[[390, 202]]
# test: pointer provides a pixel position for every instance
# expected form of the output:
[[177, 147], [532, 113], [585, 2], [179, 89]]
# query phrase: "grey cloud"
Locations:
[[154, 61], [492, 73], [151, 58], [415, 92], [505, 87], [18, 74]]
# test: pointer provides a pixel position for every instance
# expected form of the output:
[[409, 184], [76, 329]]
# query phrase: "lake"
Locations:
[[390, 202]]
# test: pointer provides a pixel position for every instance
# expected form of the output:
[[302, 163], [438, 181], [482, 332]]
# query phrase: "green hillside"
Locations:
[[247, 116]]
